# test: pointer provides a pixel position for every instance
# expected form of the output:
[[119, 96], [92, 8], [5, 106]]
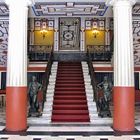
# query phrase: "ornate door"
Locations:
[[69, 34]]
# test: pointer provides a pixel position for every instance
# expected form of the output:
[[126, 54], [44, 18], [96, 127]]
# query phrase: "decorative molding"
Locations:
[[48, 23], [20, 3], [95, 23], [101, 24], [37, 24], [112, 2], [51, 23], [88, 24], [70, 9]]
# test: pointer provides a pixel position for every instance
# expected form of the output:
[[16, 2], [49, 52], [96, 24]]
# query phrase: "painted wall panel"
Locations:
[[91, 40], [47, 40]]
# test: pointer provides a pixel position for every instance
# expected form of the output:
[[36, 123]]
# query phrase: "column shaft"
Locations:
[[123, 119], [16, 90]]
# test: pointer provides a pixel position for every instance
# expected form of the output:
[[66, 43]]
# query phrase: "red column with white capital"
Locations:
[[16, 86], [124, 91]]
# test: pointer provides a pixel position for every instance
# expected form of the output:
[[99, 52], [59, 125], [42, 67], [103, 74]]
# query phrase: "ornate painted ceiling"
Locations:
[[70, 9], [64, 9]]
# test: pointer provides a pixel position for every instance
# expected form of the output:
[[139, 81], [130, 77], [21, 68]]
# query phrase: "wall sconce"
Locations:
[[107, 30], [82, 29], [56, 30], [95, 33], [43, 28], [43, 32]]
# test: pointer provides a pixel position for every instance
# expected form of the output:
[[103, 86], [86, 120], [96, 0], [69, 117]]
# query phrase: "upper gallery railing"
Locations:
[[39, 52], [100, 52]]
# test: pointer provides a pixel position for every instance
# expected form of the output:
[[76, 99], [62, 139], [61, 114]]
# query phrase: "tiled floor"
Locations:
[[14, 137]]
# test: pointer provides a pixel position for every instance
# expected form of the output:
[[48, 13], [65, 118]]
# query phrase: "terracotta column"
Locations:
[[16, 90], [124, 91]]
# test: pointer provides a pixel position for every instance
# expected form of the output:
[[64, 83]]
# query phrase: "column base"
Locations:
[[124, 109], [16, 108]]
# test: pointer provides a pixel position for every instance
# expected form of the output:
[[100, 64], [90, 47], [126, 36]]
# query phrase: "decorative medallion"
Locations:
[[68, 35]]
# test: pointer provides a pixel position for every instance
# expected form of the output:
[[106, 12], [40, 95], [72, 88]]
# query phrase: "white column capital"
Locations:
[[120, 2], [19, 2]]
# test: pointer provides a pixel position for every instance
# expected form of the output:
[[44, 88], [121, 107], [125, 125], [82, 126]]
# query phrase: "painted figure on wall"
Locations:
[[105, 87], [33, 90]]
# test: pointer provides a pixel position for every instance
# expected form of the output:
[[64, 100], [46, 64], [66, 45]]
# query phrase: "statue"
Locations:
[[40, 101], [33, 89], [105, 87]]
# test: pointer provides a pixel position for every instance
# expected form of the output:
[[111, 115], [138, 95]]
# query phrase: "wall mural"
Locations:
[[136, 10], [136, 41], [69, 34], [3, 42], [4, 11]]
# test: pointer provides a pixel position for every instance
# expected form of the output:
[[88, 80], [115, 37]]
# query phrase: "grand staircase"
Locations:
[[70, 102], [70, 97]]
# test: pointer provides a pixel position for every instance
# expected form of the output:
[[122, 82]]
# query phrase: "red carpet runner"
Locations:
[[70, 104]]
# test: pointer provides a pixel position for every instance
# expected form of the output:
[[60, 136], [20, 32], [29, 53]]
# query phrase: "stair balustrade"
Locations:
[[46, 75], [92, 75], [94, 83]]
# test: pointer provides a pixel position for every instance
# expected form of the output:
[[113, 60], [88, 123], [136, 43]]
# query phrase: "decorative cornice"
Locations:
[[30, 2], [20, 3], [112, 2]]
